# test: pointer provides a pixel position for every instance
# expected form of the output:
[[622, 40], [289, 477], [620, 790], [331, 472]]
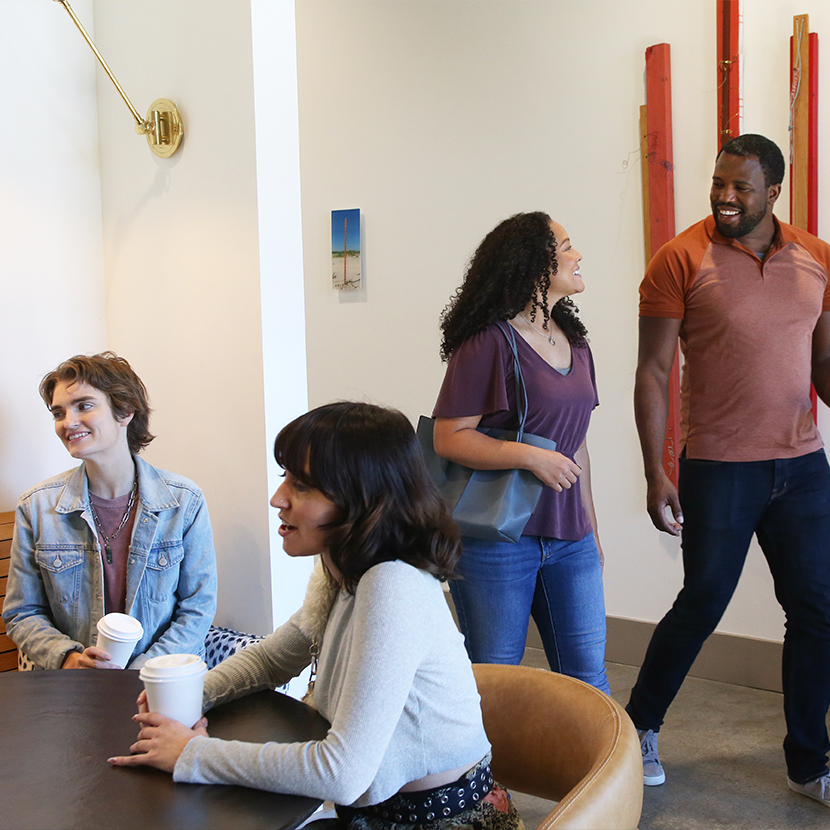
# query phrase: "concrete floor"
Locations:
[[721, 749]]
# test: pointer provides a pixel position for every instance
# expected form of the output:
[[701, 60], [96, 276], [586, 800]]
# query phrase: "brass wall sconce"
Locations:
[[163, 125]]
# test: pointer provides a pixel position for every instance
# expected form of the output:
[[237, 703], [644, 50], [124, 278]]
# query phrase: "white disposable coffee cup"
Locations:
[[117, 635], [174, 685]]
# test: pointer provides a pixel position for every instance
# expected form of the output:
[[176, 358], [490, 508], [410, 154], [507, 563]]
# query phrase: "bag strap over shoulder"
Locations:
[[521, 390]]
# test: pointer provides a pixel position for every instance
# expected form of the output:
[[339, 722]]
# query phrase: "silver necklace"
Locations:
[[124, 518], [548, 337]]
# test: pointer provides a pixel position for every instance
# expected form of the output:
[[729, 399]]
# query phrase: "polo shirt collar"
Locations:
[[782, 237]]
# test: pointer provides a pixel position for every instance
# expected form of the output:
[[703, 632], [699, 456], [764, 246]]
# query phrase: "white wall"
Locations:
[[281, 260], [438, 118], [52, 302], [203, 264]]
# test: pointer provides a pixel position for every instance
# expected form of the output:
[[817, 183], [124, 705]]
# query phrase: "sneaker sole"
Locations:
[[798, 788], [654, 780]]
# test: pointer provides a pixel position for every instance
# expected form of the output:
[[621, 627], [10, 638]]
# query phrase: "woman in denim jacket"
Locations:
[[114, 534]]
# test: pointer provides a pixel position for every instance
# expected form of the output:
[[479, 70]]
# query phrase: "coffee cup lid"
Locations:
[[121, 627], [172, 667]]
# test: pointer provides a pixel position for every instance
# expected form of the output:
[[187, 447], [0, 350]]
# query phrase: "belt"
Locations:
[[426, 806]]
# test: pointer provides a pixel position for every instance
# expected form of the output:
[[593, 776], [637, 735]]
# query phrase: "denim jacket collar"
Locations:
[[153, 493]]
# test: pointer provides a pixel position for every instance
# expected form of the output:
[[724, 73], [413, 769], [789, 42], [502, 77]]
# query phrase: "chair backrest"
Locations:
[[560, 739]]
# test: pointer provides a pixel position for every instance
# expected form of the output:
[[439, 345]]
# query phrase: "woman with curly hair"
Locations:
[[392, 677], [523, 273]]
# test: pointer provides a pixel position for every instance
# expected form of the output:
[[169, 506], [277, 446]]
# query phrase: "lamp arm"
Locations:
[[142, 126]]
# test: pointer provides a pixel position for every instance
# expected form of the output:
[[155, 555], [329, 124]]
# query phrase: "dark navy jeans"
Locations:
[[786, 503]]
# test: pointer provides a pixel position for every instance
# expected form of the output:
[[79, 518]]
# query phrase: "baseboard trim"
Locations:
[[727, 658]]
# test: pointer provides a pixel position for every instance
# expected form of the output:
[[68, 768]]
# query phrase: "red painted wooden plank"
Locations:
[[729, 77], [812, 139], [804, 153], [812, 166], [660, 153], [660, 162]]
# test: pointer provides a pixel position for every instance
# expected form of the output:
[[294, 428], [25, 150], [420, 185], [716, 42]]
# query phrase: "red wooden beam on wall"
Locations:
[[812, 141], [660, 152], [804, 134], [658, 205], [729, 71]]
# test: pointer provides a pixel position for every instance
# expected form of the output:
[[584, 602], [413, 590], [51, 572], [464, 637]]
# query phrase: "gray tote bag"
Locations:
[[494, 505]]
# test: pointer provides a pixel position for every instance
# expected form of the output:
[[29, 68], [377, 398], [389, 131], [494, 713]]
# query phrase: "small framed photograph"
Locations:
[[345, 249]]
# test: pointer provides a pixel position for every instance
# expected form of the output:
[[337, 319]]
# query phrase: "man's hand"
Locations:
[[661, 493]]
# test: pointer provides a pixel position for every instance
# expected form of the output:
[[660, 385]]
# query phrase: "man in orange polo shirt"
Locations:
[[749, 298]]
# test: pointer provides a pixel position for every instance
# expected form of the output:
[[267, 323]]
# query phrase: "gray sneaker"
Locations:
[[819, 790], [653, 774]]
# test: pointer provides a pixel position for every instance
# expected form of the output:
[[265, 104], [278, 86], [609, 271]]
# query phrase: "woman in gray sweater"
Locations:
[[389, 668]]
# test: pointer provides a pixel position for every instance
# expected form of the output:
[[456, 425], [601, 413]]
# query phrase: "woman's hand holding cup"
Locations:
[[160, 741]]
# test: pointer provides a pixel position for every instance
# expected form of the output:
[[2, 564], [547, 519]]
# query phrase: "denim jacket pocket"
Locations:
[[61, 567], [59, 558], [162, 573]]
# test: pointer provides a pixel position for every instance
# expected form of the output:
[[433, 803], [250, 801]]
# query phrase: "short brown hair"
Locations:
[[113, 376]]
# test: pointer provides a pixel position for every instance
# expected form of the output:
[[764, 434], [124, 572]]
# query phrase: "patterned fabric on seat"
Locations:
[[221, 643], [23, 662]]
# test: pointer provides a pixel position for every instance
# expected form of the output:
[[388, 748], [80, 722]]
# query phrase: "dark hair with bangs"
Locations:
[[367, 461], [112, 375]]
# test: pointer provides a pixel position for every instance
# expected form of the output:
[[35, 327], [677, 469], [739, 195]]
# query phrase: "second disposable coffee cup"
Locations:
[[117, 635], [174, 685]]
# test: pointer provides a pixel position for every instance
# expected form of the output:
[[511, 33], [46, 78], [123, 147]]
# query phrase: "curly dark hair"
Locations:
[[767, 152], [512, 267], [112, 375], [367, 460]]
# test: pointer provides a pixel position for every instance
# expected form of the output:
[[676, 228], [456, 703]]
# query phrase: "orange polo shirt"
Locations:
[[746, 338]]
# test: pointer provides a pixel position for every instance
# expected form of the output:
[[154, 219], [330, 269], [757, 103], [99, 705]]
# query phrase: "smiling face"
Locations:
[[567, 280], [741, 201], [84, 421], [304, 513]]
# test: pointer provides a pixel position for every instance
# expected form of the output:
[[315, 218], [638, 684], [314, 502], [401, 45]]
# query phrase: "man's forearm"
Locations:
[[651, 412]]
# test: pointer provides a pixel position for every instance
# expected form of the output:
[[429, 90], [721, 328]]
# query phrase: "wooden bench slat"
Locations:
[[8, 650], [8, 661]]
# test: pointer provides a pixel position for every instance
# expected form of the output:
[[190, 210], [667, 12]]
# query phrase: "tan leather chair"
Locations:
[[560, 739]]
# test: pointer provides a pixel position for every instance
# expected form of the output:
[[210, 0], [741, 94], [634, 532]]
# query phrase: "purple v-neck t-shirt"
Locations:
[[479, 381]]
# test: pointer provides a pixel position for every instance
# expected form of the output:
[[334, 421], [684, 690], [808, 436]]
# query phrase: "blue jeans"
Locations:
[[558, 582], [786, 503]]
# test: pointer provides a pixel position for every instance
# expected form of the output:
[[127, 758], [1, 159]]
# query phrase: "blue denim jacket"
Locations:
[[56, 582]]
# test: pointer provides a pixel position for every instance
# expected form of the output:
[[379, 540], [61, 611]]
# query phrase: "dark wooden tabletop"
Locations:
[[57, 729]]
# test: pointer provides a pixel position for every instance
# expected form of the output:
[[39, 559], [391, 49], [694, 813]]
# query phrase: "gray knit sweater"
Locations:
[[393, 680]]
